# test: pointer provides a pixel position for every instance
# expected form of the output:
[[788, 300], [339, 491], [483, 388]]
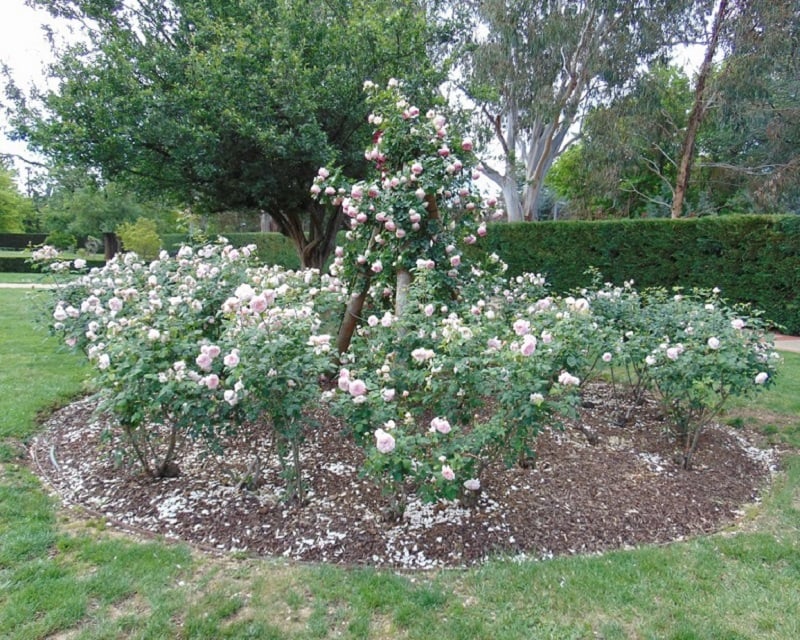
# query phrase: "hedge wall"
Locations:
[[273, 248], [750, 258], [21, 240], [20, 264]]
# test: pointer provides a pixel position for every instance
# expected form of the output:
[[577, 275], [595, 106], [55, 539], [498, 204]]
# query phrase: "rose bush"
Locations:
[[143, 325], [704, 352]]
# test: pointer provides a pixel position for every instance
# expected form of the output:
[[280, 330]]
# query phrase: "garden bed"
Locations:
[[595, 486]]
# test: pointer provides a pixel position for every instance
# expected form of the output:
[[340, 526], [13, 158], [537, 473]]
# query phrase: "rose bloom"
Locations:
[[567, 379], [211, 381], [230, 396], [388, 394], [737, 323], [79, 263], [473, 484], [204, 361], [153, 335], [372, 321], [441, 425], [377, 266], [387, 320], [232, 359], [447, 472], [713, 343], [421, 355], [429, 309], [536, 398], [761, 377], [416, 168], [466, 144], [357, 388], [607, 357], [528, 345], [521, 327], [673, 353], [344, 380], [455, 261], [384, 441]]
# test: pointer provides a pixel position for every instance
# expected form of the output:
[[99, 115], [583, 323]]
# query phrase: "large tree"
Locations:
[[535, 66], [223, 105], [752, 136], [626, 163]]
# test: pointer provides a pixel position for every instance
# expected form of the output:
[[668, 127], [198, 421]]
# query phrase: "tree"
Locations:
[[699, 108], [224, 105], [752, 134], [14, 207], [626, 163], [541, 64]]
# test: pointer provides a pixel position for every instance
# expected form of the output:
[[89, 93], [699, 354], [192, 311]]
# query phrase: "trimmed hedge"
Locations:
[[21, 240], [273, 248], [20, 264], [751, 258]]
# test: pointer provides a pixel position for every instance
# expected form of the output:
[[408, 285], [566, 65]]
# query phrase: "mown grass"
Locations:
[[62, 576]]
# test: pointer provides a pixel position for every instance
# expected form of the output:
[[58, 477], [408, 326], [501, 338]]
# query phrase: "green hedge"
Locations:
[[20, 264], [273, 248], [21, 240], [751, 258]]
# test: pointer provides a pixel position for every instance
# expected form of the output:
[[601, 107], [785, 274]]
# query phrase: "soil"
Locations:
[[595, 486]]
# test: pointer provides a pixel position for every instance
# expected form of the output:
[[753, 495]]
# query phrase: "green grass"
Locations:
[[62, 576]]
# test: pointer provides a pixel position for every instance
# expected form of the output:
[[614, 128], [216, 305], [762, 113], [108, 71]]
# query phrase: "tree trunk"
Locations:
[[697, 114], [352, 315], [110, 245]]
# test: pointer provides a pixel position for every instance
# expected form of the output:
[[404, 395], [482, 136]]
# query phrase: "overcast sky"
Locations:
[[24, 48]]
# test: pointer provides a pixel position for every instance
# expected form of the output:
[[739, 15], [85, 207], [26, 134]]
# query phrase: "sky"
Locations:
[[24, 48]]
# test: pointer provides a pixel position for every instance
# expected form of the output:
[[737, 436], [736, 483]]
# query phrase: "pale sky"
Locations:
[[24, 48]]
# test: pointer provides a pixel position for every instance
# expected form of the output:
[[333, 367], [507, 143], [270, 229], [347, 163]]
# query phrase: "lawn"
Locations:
[[64, 575]]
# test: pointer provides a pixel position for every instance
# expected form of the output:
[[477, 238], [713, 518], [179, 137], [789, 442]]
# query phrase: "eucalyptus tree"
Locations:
[[534, 67], [223, 105], [626, 163], [752, 133]]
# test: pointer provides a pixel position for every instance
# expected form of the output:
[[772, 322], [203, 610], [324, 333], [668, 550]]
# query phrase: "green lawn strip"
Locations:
[[25, 278], [35, 373]]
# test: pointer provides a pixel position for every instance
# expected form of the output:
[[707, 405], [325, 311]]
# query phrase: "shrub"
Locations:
[[141, 237]]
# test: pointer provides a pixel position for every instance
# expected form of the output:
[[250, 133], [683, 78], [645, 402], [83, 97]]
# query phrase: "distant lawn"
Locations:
[[63, 576], [25, 278]]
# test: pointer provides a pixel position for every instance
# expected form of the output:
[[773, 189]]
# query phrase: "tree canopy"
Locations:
[[15, 208], [223, 105], [535, 67]]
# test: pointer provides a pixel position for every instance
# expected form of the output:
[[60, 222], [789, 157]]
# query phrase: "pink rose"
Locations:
[[528, 345], [447, 472], [384, 441], [357, 388], [441, 425]]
